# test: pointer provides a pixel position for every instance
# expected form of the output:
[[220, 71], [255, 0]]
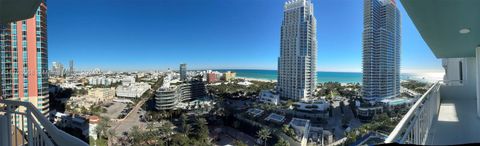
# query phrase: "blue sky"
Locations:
[[210, 34]]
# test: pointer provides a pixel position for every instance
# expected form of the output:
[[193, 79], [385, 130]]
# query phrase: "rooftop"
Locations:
[[275, 118], [299, 122]]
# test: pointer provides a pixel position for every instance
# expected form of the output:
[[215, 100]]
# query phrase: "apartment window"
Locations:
[[460, 69]]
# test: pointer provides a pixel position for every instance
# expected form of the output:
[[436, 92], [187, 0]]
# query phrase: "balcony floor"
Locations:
[[457, 123]]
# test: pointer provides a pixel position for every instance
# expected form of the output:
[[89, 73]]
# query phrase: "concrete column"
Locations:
[[478, 79]]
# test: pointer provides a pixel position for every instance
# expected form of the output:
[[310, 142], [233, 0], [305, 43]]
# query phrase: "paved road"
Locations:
[[132, 119]]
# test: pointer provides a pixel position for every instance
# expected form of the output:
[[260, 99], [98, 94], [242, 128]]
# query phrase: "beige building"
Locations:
[[102, 94], [228, 76]]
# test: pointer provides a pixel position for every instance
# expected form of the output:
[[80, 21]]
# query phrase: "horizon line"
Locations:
[[195, 69]]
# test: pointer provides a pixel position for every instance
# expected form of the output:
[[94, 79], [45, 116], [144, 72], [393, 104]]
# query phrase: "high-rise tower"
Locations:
[[381, 50], [71, 71], [24, 60], [183, 72], [298, 51]]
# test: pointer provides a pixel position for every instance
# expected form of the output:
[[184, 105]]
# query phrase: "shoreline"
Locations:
[[423, 77], [256, 79], [274, 81]]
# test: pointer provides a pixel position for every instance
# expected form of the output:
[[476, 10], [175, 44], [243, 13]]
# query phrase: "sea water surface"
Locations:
[[322, 76]]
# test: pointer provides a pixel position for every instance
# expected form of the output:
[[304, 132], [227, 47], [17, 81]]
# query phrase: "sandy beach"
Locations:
[[255, 79]]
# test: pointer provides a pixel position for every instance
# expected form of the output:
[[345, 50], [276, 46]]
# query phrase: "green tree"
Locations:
[[179, 140], [201, 131], [188, 130], [239, 143], [183, 122], [287, 130], [136, 135], [111, 134], [150, 126], [282, 142], [160, 141], [166, 129], [102, 127], [264, 134]]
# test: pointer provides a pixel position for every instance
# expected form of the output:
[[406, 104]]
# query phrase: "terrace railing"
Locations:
[[414, 126], [23, 124]]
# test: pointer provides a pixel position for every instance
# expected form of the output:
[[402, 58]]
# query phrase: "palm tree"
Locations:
[[282, 142], [150, 134], [150, 126], [239, 143], [166, 129], [99, 130], [135, 134], [183, 120], [264, 134], [188, 130], [111, 134]]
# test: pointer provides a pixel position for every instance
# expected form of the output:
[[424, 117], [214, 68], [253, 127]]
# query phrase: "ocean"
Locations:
[[322, 76]]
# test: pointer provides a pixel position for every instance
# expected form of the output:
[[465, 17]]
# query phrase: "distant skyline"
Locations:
[[127, 35]]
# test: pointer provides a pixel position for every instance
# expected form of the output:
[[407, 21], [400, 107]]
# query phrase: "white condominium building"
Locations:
[[134, 90], [298, 51], [381, 50]]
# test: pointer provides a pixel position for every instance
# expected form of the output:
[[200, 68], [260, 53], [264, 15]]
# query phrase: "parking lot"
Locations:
[[114, 110]]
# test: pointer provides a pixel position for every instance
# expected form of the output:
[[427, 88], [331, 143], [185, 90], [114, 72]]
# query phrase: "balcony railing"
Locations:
[[23, 124], [415, 125]]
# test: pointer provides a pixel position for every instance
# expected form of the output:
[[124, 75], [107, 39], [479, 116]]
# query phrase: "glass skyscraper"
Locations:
[[381, 50], [24, 60], [183, 72], [298, 51]]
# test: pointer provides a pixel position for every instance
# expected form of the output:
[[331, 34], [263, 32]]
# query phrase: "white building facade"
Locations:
[[298, 51], [381, 50], [267, 96], [134, 90]]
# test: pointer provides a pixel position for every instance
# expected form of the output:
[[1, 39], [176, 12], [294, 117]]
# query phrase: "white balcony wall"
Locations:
[[453, 72]]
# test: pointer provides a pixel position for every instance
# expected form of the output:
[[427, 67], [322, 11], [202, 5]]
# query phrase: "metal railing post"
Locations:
[[9, 124], [29, 127]]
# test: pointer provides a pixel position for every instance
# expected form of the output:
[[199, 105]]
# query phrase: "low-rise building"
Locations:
[[312, 106], [102, 94], [302, 129], [366, 113], [267, 96], [128, 80], [101, 80], [273, 117], [212, 77], [73, 122], [133, 90], [228, 76]]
